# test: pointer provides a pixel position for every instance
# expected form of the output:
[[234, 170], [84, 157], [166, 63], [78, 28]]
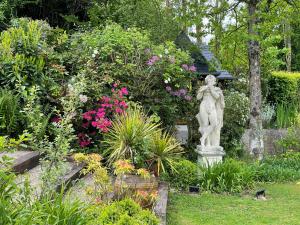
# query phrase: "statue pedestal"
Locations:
[[209, 155]]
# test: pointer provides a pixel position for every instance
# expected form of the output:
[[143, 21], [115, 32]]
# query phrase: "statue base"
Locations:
[[209, 155]]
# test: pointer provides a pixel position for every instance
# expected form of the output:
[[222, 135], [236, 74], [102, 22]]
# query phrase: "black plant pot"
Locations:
[[194, 189]]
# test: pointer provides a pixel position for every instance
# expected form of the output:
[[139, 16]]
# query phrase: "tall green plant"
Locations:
[[286, 115], [164, 152], [10, 116], [129, 136]]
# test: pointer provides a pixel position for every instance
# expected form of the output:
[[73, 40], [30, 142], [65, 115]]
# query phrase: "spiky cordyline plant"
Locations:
[[164, 150], [129, 136]]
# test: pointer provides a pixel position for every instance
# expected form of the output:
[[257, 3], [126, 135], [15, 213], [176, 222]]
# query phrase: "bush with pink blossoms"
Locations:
[[99, 119]]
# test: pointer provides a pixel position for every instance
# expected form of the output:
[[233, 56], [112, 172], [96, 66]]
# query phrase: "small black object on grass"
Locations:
[[261, 194], [194, 189]]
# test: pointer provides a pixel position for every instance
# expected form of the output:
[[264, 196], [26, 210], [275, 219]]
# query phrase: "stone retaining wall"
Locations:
[[271, 136]]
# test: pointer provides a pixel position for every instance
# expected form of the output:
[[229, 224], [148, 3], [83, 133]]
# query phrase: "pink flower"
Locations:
[[95, 123], [119, 110], [124, 91], [168, 88], [115, 85], [185, 66], [192, 68], [188, 98], [106, 99], [100, 115], [123, 104]]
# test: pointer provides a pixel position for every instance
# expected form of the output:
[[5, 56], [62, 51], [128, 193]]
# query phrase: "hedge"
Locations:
[[284, 87]]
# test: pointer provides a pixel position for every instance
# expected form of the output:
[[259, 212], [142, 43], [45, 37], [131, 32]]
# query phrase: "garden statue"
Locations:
[[210, 118]]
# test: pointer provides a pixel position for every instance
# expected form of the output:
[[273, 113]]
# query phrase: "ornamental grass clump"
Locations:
[[136, 137], [165, 151], [129, 137]]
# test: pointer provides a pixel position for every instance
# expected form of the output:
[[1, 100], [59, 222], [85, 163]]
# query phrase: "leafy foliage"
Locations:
[[185, 174], [236, 115], [231, 176], [10, 116], [284, 87]]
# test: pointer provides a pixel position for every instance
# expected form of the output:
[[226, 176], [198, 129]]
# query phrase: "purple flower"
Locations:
[[188, 98], [176, 93], [168, 88], [152, 60], [192, 68], [185, 66], [155, 58], [182, 91]]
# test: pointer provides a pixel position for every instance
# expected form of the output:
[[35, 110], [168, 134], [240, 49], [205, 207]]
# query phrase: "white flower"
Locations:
[[93, 55], [166, 81], [83, 98], [96, 51], [166, 51], [160, 56]]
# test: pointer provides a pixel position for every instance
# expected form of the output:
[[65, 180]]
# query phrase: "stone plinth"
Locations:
[[209, 155]]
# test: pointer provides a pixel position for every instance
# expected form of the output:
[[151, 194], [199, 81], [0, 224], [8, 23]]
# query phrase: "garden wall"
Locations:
[[271, 136]]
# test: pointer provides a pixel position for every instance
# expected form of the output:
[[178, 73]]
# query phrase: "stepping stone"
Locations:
[[34, 177], [22, 160]]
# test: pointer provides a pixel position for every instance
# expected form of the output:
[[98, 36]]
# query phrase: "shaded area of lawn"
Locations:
[[281, 208]]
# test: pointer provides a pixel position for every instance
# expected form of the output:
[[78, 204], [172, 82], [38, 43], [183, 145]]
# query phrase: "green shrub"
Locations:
[[286, 115], [232, 176], [291, 141], [280, 168], [154, 74], [125, 212], [185, 174], [10, 116], [235, 121], [283, 87]]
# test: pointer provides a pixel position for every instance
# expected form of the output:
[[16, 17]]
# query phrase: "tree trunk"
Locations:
[[288, 44], [256, 134]]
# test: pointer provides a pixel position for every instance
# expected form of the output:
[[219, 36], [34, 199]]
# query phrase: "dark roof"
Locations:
[[203, 58]]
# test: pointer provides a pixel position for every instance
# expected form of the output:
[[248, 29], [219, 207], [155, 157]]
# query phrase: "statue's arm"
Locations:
[[200, 93], [215, 93]]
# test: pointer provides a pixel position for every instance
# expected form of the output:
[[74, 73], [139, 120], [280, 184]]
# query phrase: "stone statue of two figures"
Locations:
[[210, 118]]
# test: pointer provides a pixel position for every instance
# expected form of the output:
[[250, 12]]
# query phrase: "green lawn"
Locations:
[[282, 207]]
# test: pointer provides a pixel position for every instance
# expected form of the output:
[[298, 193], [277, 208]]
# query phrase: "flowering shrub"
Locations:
[[114, 53], [98, 120]]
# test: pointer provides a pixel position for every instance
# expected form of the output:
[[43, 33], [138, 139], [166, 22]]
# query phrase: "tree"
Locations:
[[256, 134]]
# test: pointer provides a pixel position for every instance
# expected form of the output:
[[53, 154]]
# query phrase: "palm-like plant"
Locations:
[[164, 151], [129, 136]]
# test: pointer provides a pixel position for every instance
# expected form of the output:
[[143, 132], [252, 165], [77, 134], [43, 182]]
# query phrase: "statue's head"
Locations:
[[210, 80]]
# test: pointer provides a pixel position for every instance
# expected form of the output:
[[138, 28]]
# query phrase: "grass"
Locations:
[[282, 207]]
